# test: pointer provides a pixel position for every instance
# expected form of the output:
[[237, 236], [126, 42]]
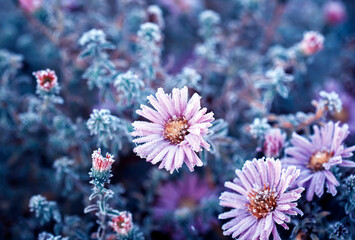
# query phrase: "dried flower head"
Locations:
[[316, 156], [46, 79], [259, 200], [176, 131]]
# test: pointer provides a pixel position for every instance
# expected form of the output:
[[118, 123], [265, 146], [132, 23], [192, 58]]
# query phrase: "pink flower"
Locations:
[[274, 142], [122, 224], [46, 79], [181, 6], [175, 131], [30, 5], [100, 163], [311, 43], [334, 12]]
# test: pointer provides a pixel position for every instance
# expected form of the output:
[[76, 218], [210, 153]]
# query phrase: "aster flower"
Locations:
[[311, 43], [260, 200], [176, 131], [46, 80], [181, 201], [122, 224], [273, 142], [316, 156]]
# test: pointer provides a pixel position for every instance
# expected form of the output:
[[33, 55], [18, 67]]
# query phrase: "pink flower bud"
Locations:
[[100, 163], [122, 224], [46, 79], [311, 43], [334, 12], [30, 5], [274, 142]]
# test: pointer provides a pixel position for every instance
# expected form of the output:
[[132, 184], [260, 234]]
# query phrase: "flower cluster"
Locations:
[[142, 81]]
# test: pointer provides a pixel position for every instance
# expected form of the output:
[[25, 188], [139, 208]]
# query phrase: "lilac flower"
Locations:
[[185, 193], [181, 200], [316, 156], [274, 142], [260, 200], [175, 132]]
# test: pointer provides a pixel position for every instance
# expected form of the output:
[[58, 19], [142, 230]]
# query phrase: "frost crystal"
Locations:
[[259, 127], [150, 32], [331, 101], [92, 36]]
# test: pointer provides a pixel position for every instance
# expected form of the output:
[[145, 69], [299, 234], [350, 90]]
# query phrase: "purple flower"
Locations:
[[175, 132], [315, 157], [259, 200], [182, 198]]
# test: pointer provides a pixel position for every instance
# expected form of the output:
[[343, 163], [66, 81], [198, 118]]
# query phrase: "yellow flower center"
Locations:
[[187, 203], [318, 159], [176, 129], [261, 202]]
